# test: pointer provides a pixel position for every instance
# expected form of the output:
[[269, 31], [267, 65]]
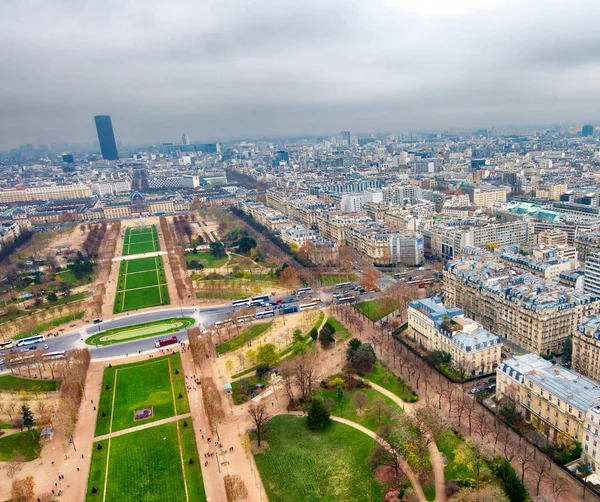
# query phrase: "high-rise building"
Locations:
[[592, 274], [185, 139], [343, 138], [106, 137], [587, 130]]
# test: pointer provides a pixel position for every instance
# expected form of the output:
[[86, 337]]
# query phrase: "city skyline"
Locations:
[[303, 70]]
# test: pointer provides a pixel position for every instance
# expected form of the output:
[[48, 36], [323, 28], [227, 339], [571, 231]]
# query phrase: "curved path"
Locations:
[[437, 461]]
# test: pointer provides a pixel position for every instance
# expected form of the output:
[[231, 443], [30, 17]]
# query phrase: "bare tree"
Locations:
[[360, 399], [235, 488], [386, 452], [558, 488], [430, 422], [304, 369], [14, 465], [22, 490], [525, 458], [260, 418], [541, 469]]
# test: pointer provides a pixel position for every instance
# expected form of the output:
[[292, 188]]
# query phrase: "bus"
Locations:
[[241, 303], [224, 322], [244, 318], [165, 341], [306, 306], [7, 344], [302, 291], [264, 298], [265, 313], [288, 309], [30, 340], [400, 274], [343, 285], [346, 299], [59, 354]]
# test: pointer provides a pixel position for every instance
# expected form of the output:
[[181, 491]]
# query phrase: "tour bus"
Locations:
[[343, 285], [265, 313], [302, 291], [59, 354], [400, 274], [241, 303], [288, 309], [30, 340], [306, 306], [224, 322], [259, 300], [244, 318], [165, 341], [6, 344], [346, 299]]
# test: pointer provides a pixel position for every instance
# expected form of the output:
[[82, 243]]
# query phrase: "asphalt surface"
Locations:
[[204, 316]]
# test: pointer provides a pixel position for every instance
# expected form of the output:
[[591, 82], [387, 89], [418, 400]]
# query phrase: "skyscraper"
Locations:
[[185, 139], [106, 137]]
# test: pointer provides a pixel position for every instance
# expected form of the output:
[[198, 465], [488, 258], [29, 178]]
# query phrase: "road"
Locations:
[[204, 316]]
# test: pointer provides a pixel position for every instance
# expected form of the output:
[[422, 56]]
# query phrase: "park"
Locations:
[[140, 240], [142, 283], [137, 331]]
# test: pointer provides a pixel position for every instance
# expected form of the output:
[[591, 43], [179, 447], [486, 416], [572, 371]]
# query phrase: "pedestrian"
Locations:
[[82, 455], [78, 469], [202, 438]]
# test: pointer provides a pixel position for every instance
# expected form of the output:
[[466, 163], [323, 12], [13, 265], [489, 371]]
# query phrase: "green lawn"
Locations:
[[367, 417], [383, 377], [460, 457], [140, 240], [146, 465], [140, 385], [29, 386], [67, 276], [136, 331], [141, 264], [50, 324], [142, 298], [26, 444], [207, 259], [97, 471], [141, 247], [376, 309], [142, 280], [326, 466], [333, 279], [341, 333], [193, 473], [141, 284], [243, 338]]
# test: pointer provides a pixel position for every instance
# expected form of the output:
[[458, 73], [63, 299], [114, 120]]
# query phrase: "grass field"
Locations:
[[139, 385], [128, 333], [341, 333], [142, 283], [326, 466], [9, 383], [383, 377], [243, 338], [24, 443], [367, 418], [49, 324], [207, 259], [376, 309], [461, 460], [140, 240]]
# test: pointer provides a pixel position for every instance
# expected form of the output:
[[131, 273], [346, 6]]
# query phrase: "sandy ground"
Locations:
[[74, 238]]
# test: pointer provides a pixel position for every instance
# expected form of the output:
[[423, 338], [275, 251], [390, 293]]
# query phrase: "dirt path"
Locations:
[[111, 435]]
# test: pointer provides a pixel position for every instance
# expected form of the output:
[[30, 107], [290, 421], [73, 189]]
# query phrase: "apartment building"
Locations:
[[486, 198], [592, 273], [552, 398], [332, 226], [173, 182], [591, 438], [473, 349], [586, 348], [535, 313], [385, 245], [298, 235], [587, 243], [552, 192], [46, 192], [402, 195], [546, 261], [552, 237]]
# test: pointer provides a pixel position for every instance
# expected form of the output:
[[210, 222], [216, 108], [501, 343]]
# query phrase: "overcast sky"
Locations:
[[245, 68]]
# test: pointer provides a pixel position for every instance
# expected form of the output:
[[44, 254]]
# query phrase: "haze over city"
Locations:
[[236, 69]]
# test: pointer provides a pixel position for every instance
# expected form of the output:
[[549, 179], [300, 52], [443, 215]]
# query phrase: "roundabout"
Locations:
[[138, 331]]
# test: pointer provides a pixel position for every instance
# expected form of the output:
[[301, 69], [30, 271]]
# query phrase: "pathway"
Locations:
[[151, 254], [142, 427]]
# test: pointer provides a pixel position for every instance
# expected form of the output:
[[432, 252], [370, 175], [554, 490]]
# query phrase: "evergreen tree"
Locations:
[[27, 416], [318, 416]]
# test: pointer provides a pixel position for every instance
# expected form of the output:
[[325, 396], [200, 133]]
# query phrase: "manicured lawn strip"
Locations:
[[333, 279], [24, 443], [143, 330], [142, 264], [49, 324], [207, 259], [376, 309], [141, 247], [146, 465], [349, 410], [243, 338], [182, 404], [139, 387], [341, 333], [329, 465], [141, 280], [9, 383], [141, 237], [142, 298], [105, 404], [383, 377], [97, 471], [193, 472]]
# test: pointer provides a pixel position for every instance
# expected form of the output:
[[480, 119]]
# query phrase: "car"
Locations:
[[492, 380], [45, 346], [475, 391], [476, 384], [336, 295]]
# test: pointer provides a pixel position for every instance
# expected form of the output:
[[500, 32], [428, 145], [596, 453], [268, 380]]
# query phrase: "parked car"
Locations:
[[492, 379]]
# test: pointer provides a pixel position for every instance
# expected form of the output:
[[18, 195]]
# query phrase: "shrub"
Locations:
[[99, 447], [94, 490], [191, 462], [180, 396], [513, 487], [262, 370]]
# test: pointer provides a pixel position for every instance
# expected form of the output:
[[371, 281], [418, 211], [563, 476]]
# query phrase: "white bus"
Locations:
[[346, 299], [7, 344], [265, 313], [306, 306], [244, 318], [30, 340], [59, 354], [241, 303], [224, 322], [343, 285], [400, 274], [302, 291]]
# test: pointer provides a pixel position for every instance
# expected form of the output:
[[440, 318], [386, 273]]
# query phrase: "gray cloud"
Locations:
[[241, 69]]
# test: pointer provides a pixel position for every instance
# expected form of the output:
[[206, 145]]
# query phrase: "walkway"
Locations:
[[140, 255], [142, 427], [437, 461], [403, 464]]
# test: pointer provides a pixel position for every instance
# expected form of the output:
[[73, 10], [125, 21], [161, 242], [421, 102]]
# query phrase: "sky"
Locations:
[[220, 69]]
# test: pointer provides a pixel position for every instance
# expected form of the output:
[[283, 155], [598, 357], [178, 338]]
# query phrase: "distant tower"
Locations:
[[106, 137], [587, 130], [343, 138], [185, 139]]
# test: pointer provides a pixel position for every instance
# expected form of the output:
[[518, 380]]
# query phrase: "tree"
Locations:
[[14, 465], [260, 418], [369, 279], [22, 490], [514, 489], [289, 278], [541, 468], [245, 244], [314, 333], [251, 356], [51, 297], [363, 358], [318, 416], [267, 354], [379, 410], [567, 351], [360, 399], [387, 453], [27, 417], [326, 335], [229, 365], [235, 488], [558, 488], [217, 249]]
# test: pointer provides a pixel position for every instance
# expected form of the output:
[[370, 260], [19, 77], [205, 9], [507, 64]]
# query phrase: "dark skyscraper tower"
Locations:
[[106, 137]]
